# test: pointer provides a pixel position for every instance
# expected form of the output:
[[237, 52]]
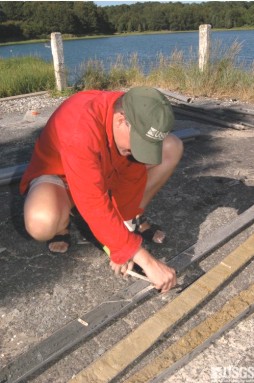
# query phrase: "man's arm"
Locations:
[[160, 275]]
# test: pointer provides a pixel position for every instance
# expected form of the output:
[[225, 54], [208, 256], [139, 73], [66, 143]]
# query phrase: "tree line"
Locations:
[[25, 20]]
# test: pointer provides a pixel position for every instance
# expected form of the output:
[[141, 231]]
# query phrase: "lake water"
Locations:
[[147, 48]]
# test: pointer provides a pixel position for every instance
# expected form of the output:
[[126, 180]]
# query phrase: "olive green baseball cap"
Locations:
[[151, 118]]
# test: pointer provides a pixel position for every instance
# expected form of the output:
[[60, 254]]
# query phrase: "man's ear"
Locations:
[[120, 117]]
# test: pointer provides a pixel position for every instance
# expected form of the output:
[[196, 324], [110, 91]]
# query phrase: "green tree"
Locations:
[[42, 18], [34, 19], [10, 31], [87, 17], [250, 16], [2, 15], [13, 10]]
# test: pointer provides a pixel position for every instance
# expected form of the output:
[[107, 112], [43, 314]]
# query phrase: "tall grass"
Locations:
[[20, 75], [122, 73], [222, 78]]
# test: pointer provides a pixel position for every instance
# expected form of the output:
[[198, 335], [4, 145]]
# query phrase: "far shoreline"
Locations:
[[86, 37]]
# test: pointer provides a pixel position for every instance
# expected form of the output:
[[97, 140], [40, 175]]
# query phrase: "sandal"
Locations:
[[149, 233], [66, 238]]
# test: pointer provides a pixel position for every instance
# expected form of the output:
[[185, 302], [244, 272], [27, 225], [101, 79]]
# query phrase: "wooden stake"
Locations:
[[137, 275]]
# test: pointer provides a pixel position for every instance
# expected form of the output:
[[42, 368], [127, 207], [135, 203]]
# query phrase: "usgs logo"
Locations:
[[232, 374], [156, 134]]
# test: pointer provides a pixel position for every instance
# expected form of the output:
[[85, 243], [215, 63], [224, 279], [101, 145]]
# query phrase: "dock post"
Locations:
[[58, 59], [204, 45]]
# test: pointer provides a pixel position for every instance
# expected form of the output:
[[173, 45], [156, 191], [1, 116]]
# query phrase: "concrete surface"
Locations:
[[135, 344], [195, 341], [40, 292]]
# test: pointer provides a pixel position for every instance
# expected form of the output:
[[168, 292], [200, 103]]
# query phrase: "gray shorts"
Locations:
[[51, 178]]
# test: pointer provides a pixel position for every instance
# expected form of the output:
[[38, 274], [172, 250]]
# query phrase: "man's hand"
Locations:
[[121, 269], [162, 276]]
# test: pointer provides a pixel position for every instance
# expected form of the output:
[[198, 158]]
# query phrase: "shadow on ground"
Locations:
[[206, 181]]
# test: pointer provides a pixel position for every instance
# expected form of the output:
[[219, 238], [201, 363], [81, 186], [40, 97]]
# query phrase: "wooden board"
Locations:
[[196, 340], [125, 352]]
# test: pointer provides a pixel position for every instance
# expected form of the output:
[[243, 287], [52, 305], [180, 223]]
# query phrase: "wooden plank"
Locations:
[[209, 118], [70, 335], [196, 340], [221, 117], [125, 352], [11, 174], [175, 95], [26, 95]]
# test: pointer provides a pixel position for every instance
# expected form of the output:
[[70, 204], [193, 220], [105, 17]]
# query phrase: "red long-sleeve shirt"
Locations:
[[77, 144]]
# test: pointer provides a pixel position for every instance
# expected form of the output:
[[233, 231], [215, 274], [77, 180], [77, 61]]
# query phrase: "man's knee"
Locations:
[[39, 225], [172, 150]]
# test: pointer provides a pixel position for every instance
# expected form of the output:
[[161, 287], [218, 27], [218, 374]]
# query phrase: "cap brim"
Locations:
[[145, 151]]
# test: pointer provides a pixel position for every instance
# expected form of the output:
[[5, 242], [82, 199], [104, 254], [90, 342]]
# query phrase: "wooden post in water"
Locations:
[[204, 45], [58, 59]]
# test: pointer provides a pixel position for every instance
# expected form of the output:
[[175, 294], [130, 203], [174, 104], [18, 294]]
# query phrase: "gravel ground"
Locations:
[[23, 104], [41, 100], [213, 184]]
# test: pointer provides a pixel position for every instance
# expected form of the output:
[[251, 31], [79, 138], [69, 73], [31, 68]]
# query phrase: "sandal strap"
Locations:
[[139, 220], [61, 238], [148, 234]]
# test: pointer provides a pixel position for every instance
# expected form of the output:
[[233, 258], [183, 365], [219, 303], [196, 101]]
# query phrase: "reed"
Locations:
[[224, 77], [121, 73], [20, 75]]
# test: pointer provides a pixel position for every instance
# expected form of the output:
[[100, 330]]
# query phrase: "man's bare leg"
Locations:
[[159, 174], [46, 214]]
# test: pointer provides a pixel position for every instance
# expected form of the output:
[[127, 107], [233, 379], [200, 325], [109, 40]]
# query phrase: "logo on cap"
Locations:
[[156, 134]]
